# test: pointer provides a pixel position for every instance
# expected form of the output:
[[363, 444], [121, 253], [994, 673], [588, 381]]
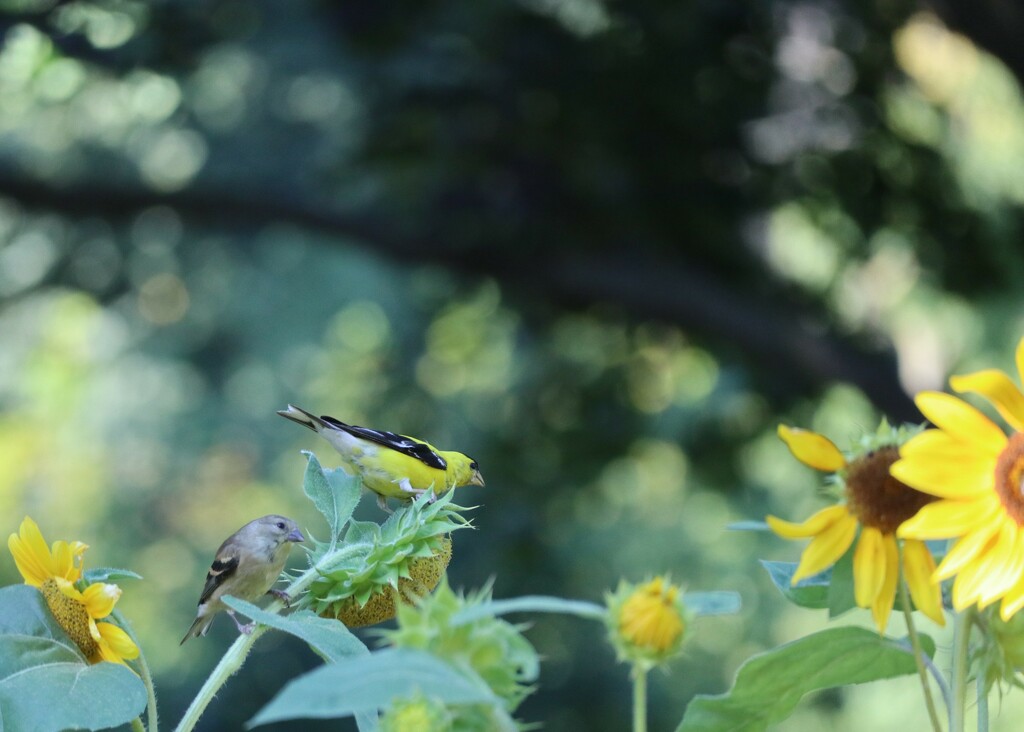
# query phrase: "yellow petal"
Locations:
[[64, 559], [947, 519], [812, 449], [1007, 565], [936, 443], [974, 577], [1020, 358], [918, 567], [998, 389], [881, 608], [966, 550], [868, 566], [100, 599], [946, 477], [826, 547], [811, 527], [115, 645], [959, 419], [30, 552], [69, 590], [1013, 600]]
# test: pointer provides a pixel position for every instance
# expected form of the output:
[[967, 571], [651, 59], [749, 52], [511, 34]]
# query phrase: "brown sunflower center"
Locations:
[[1010, 477], [71, 615], [875, 497]]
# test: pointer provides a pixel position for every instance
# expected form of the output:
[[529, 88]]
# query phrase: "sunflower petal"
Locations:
[[826, 548], [812, 449], [945, 477], [69, 590], [811, 527], [1019, 357], [1007, 565], [968, 549], [868, 567], [115, 645], [948, 518], [881, 608], [998, 389], [959, 419], [30, 552], [975, 577], [936, 443], [918, 567], [1013, 600], [100, 598]]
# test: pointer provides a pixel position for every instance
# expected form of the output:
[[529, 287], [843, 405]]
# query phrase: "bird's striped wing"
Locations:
[[399, 443], [220, 570]]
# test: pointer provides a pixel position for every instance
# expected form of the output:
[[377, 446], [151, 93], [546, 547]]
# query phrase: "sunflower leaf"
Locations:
[[716, 602], [108, 574], [769, 686], [45, 683], [329, 638], [334, 492], [371, 682], [840, 587], [811, 592]]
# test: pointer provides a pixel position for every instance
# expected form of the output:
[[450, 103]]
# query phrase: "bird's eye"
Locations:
[[474, 465], [280, 525]]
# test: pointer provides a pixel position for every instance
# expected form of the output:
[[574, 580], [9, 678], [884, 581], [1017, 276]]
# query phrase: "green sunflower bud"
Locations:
[[494, 649], [378, 567], [418, 714], [647, 623]]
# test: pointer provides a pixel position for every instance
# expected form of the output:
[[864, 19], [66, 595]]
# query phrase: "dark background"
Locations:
[[604, 248]]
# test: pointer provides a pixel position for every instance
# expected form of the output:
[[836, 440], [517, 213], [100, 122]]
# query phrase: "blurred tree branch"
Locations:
[[769, 333]]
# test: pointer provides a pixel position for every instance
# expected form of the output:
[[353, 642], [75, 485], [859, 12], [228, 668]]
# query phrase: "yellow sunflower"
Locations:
[[976, 470], [876, 503], [55, 571], [647, 623]]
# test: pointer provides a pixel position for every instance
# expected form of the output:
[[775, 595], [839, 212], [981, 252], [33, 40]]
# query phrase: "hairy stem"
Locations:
[[236, 654], [639, 699], [961, 659], [919, 656]]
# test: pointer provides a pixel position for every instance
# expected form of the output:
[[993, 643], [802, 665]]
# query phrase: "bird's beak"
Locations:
[[477, 479], [296, 535]]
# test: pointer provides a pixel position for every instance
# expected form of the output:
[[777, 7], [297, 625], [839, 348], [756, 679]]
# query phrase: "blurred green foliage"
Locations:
[[602, 247]]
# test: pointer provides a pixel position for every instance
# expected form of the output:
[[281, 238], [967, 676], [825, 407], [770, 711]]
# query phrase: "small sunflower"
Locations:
[[878, 504], [976, 470], [55, 571], [647, 623]]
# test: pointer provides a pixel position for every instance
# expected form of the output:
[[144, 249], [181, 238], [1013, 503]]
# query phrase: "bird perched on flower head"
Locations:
[[391, 465], [247, 565]]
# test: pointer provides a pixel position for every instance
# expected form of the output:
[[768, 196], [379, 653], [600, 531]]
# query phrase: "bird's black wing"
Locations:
[[222, 568], [399, 443]]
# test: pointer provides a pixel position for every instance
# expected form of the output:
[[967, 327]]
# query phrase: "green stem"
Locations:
[[137, 725], [961, 660], [230, 662], [235, 656], [144, 673], [915, 643], [639, 699], [982, 705]]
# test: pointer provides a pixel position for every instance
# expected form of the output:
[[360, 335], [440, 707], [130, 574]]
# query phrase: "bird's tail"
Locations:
[[301, 416], [199, 627]]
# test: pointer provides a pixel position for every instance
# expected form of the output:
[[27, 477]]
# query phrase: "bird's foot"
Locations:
[[282, 596], [246, 629], [382, 501]]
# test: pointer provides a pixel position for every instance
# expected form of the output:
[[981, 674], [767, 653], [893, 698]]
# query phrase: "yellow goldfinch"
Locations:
[[248, 563], [390, 465]]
